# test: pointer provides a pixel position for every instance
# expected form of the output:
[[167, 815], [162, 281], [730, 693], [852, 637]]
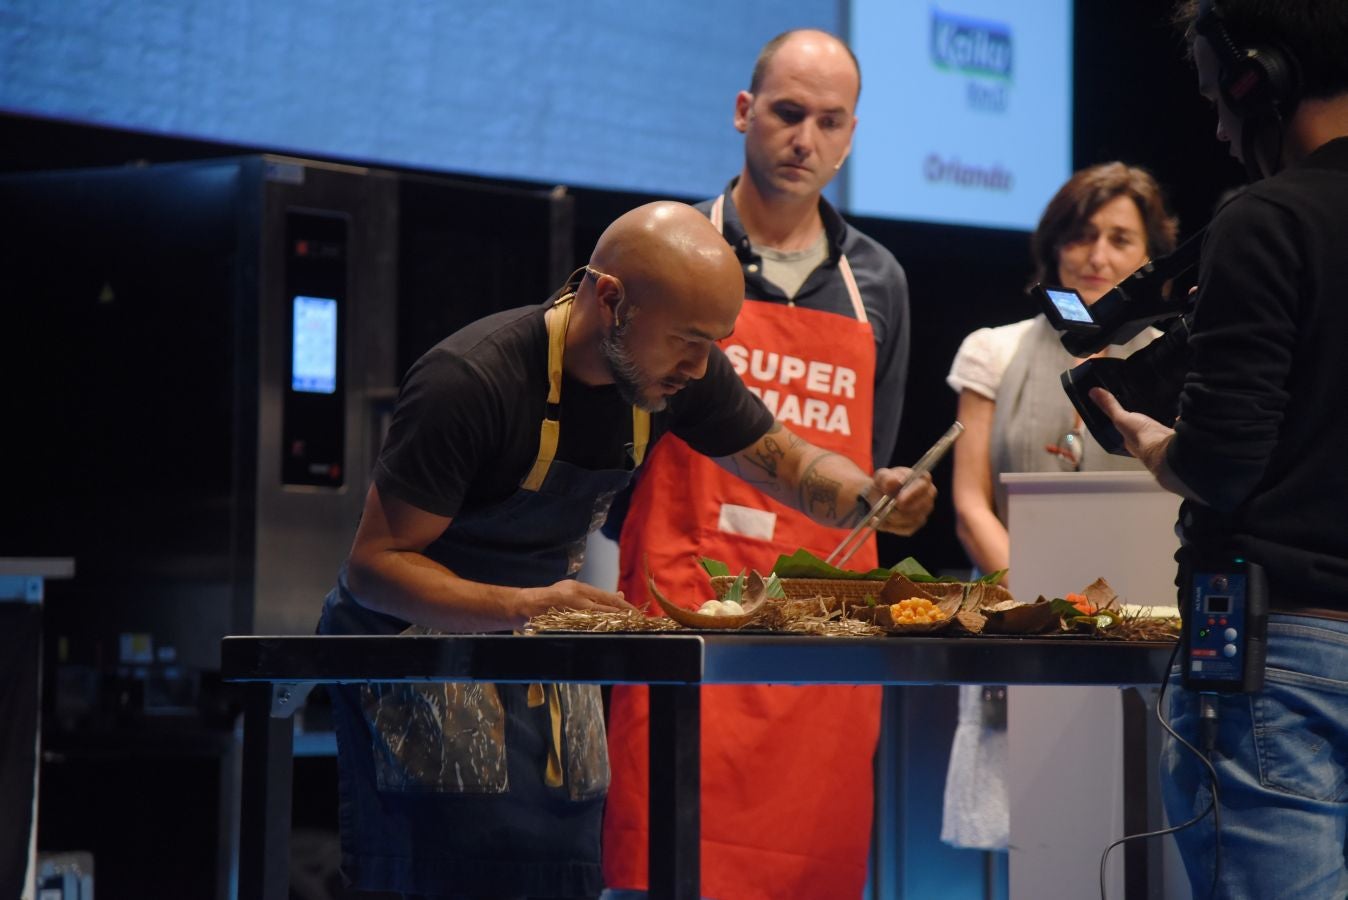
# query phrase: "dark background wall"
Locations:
[[1134, 99]]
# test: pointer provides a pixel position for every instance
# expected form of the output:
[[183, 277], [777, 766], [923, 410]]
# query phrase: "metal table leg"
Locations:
[[675, 788], [264, 814]]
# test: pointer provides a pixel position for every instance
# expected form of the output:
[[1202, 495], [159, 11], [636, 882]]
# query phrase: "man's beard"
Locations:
[[631, 382]]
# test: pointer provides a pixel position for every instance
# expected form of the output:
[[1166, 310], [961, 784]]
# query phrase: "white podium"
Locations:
[[1069, 528], [1066, 745]]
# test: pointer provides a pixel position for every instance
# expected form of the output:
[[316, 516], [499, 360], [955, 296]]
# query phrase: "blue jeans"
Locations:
[[1282, 764]]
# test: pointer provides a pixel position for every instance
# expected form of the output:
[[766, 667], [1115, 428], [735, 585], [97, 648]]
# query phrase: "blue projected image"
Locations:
[[976, 95], [313, 347], [630, 96], [965, 117]]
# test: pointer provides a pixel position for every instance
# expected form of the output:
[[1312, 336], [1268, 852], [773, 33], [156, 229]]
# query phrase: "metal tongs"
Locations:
[[867, 526]]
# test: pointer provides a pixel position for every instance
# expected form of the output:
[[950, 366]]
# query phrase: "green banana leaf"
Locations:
[[803, 564], [714, 567]]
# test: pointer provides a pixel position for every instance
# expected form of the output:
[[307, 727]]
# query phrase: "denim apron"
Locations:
[[466, 789]]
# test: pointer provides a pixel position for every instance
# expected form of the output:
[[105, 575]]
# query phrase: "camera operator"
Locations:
[[1258, 448]]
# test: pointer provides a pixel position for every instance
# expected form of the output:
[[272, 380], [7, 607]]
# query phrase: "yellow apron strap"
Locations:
[[557, 318], [641, 434], [538, 694], [552, 775]]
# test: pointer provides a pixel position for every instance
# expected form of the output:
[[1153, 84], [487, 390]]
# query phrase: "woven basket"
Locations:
[[838, 589]]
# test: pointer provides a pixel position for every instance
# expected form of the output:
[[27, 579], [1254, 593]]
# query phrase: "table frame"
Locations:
[[278, 672]]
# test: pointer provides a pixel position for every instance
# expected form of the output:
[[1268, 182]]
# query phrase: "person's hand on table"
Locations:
[[568, 594]]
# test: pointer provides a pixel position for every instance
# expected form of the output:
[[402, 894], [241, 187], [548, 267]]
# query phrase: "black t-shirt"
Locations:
[[466, 429], [1261, 433]]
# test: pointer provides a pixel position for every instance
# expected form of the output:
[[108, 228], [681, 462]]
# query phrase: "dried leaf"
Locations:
[[898, 587], [884, 617], [755, 593], [982, 595], [970, 621], [1027, 618], [1101, 595]]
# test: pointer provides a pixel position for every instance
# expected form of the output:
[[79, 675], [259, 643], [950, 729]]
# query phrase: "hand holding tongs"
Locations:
[[863, 530]]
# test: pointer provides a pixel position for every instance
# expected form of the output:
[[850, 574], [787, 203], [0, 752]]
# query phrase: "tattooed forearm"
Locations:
[[769, 452], [818, 492], [768, 457], [822, 484], [761, 463]]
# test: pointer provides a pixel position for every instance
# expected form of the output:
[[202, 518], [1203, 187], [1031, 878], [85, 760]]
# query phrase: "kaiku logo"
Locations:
[[970, 46]]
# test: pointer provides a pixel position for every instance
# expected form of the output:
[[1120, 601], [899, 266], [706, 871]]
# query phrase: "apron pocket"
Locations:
[[437, 738], [587, 771]]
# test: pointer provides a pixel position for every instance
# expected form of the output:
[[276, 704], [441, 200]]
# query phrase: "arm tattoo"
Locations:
[[768, 457], [766, 454], [760, 463], [819, 493]]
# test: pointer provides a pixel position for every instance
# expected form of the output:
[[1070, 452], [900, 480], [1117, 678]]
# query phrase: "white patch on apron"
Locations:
[[745, 520]]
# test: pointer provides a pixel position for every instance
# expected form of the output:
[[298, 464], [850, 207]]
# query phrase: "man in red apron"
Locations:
[[822, 338], [509, 439]]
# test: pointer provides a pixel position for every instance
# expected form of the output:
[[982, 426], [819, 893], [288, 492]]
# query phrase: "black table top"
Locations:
[[695, 658]]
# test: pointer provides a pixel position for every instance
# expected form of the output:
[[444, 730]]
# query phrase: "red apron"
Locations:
[[786, 771]]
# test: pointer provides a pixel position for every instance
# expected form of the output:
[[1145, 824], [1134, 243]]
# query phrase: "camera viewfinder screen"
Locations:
[[1069, 305], [1218, 604], [313, 357]]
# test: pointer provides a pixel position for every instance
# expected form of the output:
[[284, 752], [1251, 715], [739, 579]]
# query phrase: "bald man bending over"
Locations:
[[509, 439]]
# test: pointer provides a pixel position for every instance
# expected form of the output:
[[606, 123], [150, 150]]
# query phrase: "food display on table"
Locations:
[[722, 613], [912, 614], [804, 594], [916, 611]]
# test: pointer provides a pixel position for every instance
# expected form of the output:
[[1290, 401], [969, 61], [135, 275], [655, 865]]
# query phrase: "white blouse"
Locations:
[[983, 357]]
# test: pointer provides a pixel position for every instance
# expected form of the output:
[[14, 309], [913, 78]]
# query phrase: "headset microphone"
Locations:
[[842, 159]]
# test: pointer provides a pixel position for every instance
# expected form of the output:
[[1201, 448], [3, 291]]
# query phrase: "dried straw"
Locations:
[[817, 616], [598, 622], [1138, 628]]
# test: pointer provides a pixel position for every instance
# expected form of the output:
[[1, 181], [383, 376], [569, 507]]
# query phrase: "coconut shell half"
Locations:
[[689, 619]]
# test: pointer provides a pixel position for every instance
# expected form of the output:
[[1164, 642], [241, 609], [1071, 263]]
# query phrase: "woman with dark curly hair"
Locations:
[[1104, 223]]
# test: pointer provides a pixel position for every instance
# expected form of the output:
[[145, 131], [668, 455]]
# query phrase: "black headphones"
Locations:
[[1255, 81]]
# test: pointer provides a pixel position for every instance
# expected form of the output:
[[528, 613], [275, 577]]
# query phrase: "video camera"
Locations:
[[1150, 380]]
